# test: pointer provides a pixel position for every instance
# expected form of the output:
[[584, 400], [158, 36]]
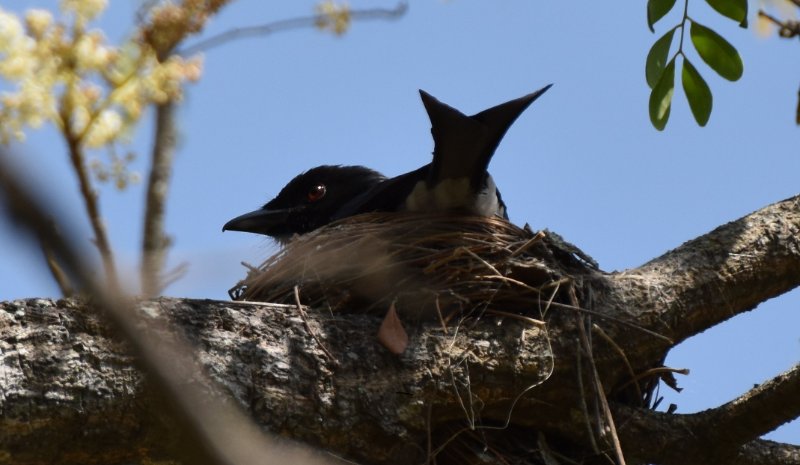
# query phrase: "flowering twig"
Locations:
[[337, 20], [93, 92], [89, 196]]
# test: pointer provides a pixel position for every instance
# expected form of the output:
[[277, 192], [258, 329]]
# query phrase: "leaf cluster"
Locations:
[[713, 49]]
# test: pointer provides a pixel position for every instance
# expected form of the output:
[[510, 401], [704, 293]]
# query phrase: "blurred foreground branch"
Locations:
[[210, 430]]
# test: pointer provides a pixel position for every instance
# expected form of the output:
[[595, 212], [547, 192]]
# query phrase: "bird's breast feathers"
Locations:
[[455, 194]]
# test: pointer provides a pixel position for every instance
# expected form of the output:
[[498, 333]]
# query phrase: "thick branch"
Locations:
[[373, 403], [767, 453], [718, 433], [719, 275], [655, 437], [756, 413]]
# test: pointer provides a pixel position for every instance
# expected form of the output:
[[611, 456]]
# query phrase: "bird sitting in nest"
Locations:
[[456, 180], [436, 240]]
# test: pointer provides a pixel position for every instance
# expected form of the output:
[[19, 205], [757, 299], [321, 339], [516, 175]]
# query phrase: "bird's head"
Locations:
[[309, 201]]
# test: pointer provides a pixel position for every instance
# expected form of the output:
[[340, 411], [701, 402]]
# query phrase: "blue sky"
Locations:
[[583, 161]]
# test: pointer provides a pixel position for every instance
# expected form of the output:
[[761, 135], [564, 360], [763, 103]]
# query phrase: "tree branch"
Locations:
[[755, 413], [89, 196], [718, 275], [763, 452], [287, 24], [55, 269], [668, 439], [726, 434], [155, 242]]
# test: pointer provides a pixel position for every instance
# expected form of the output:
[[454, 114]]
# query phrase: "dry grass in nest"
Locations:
[[430, 266], [427, 264]]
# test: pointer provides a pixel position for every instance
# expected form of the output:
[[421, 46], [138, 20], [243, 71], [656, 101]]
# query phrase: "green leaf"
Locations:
[[720, 55], [657, 58], [697, 93], [733, 9], [661, 97], [656, 9]]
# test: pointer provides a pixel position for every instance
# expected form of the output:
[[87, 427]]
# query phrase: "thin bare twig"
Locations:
[[174, 274], [154, 240], [89, 196], [308, 327], [582, 398], [55, 269], [287, 24], [61, 278], [624, 358], [524, 247], [601, 395], [786, 29], [614, 320]]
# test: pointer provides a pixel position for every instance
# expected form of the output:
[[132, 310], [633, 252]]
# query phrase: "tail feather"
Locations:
[[464, 145]]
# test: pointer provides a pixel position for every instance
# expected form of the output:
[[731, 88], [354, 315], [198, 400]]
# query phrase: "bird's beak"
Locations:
[[259, 222]]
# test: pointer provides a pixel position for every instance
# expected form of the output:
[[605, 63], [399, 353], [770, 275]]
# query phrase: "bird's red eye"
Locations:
[[317, 192]]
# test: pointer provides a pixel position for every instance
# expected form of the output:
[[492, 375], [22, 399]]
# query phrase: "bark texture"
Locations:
[[542, 391]]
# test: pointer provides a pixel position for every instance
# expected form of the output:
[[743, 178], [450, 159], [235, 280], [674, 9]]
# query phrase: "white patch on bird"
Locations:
[[452, 194], [487, 203]]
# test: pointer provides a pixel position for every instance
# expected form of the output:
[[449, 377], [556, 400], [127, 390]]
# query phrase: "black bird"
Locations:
[[456, 179], [310, 200]]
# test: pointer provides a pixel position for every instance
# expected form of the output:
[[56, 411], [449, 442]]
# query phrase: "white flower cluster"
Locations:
[[33, 103], [84, 10], [92, 91], [333, 16]]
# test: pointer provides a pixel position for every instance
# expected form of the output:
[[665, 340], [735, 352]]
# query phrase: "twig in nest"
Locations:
[[657, 371], [582, 390], [516, 316], [527, 245], [528, 388], [468, 413], [624, 357], [601, 395], [439, 313], [551, 457], [614, 319], [250, 268], [308, 327], [484, 262], [437, 264]]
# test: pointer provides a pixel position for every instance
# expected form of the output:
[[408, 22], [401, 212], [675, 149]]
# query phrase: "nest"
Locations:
[[427, 264]]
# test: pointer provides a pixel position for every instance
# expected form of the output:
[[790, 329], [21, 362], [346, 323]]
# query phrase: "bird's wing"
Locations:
[[389, 195]]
